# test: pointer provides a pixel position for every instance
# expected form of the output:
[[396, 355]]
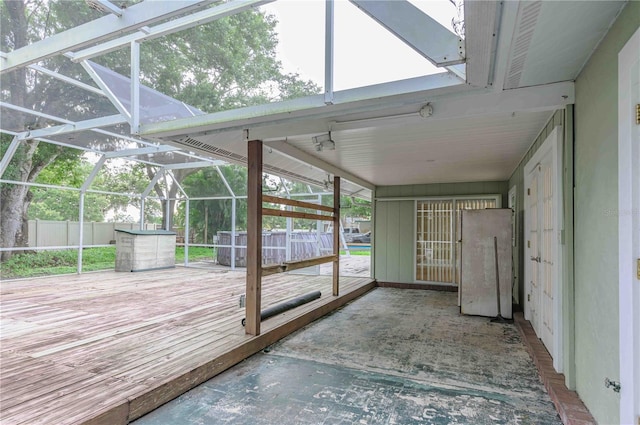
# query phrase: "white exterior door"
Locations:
[[547, 251], [532, 252], [542, 258], [629, 228]]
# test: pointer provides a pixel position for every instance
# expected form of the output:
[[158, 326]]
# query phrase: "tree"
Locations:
[[222, 65], [207, 217]]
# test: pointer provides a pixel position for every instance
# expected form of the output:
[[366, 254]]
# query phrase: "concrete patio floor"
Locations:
[[392, 356]]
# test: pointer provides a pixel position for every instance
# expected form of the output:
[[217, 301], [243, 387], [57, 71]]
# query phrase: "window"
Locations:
[[437, 236]]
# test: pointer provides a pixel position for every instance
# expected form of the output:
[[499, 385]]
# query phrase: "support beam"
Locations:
[[482, 24], [135, 87], [199, 18], [337, 227], [63, 120], [295, 214], [93, 174], [418, 30], [294, 203], [133, 18], [80, 231], [140, 151], [288, 266], [106, 90], [8, 155], [289, 150], [411, 91], [75, 127], [199, 164], [545, 97], [66, 79], [254, 238], [157, 176], [225, 182], [234, 210], [328, 52]]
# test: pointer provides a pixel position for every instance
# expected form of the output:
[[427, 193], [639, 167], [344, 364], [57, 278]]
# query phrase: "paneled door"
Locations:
[[532, 251], [542, 245]]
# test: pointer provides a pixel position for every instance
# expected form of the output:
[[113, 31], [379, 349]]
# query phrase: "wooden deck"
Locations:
[[106, 348]]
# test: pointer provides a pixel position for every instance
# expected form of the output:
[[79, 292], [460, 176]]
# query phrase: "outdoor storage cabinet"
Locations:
[[139, 250]]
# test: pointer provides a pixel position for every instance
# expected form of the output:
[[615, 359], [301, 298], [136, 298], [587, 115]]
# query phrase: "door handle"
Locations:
[[536, 259]]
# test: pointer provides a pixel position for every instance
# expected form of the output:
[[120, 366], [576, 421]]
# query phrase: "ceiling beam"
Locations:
[[507, 26], [362, 99], [482, 19], [293, 152], [546, 97], [67, 80], [277, 121], [190, 165], [140, 151], [179, 24], [418, 30], [133, 18]]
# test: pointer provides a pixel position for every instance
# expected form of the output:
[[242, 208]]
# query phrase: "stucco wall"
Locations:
[[394, 223], [596, 229]]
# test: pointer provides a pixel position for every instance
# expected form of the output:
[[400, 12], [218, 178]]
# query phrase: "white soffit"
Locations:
[[480, 148], [554, 39]]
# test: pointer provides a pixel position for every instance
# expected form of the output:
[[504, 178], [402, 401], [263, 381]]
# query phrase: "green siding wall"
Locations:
[[596, 227], [395, 221], [393, 238], [444, 189]]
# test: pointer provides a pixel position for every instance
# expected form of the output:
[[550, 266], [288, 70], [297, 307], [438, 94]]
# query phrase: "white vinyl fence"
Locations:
[[44, 233]]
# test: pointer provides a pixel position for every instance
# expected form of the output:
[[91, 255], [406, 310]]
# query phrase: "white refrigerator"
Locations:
[[485, 263]]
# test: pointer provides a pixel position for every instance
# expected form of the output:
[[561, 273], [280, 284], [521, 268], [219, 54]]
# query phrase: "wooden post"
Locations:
[[336, 235], [254, 238]]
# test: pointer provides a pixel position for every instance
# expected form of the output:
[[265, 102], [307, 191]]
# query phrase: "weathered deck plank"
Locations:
[[108, 347]]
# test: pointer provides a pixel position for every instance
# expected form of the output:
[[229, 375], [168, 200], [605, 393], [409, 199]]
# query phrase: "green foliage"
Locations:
[[55, 262], [355, 208], [225, 64], [207, 217]]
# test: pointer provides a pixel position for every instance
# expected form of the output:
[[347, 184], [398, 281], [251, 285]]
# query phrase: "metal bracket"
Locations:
[[462, 50]]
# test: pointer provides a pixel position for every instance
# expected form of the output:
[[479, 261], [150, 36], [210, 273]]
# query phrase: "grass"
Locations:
[[356, 252], [55, 262]]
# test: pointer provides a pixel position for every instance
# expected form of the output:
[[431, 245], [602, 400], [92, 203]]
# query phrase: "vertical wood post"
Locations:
[[254, 238], [336, 235]]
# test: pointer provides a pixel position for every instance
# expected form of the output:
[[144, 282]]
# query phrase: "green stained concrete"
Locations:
[[596, 220], [391, 357]]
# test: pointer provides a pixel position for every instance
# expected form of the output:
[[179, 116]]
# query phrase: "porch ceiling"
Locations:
[[477, 131]]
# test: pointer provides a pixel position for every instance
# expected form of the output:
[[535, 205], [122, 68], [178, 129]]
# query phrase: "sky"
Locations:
[[365, 53]]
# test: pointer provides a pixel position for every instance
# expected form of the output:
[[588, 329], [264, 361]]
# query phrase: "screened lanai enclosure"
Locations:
[[298, 156], [74, 123]]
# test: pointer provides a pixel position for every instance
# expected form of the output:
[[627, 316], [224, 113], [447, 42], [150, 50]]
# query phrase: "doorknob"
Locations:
[[536, 259]]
